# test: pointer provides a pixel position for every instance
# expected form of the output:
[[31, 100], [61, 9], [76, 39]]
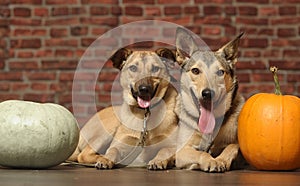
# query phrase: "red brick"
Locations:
[[39, 86], [105, 98], [11, 96], [60, 11], [99, 10], [42, 97], [108, 21], [268, 11], [62, 21], [133, 11], [254, 43], [247, 10], [22, 32], [264, 77], [252, 21], [64, 53], [58, 32], [251, 65], [286, 65], [4, 87], [291, 53], [23, 65], [115, 10], [25, 54], [212, 20], [294, 42], [172, 10], [214, 1], [11, 76], [26, 43], [29, 2], [79, 30], [231, 30], [243, 77], [286, 32], [172, 2], [212, 30], [66, 76], [280, 42], [230, 10], [285, 21], [212, 10], [252, 53], [41, 76], [5, 2], [44, 53], [39, 32], [60, 2], [25, 22], [191, 10], [61, 42], [287, 10], [59, 65], [42, 12], [99, 1], [85, 98], [254, 1], [271, 53], [16, 86], [152, 11], [77, 10], [107, 76], [139, 2], [293, 77], [266, 31], [22, 12]]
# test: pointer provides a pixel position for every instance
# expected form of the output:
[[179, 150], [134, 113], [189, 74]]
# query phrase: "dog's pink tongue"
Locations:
[[143, 103], [206, 121]]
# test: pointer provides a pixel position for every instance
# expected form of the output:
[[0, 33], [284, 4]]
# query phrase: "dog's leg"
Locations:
[[88, 155], [117, 152], [165, 158], [191, 158], [228, 155]]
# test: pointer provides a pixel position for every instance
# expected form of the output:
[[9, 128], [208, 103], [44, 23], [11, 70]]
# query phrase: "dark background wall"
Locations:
[[41, 41]]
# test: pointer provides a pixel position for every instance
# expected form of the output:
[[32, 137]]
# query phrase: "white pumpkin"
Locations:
[[35, 135]]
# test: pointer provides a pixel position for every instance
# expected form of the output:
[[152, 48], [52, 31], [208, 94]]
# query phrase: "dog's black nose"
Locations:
[[208, 93], [145, 89]]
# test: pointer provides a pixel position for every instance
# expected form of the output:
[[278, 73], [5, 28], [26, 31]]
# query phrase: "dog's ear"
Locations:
[[168, 55], [119, 57], [185, 45], [230, 50]]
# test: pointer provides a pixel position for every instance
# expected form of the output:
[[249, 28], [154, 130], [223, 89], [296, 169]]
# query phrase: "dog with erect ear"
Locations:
[[142, 130], [208, 105]]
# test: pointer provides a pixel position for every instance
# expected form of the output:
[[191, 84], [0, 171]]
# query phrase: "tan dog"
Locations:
[[209, 105], [129, 134]]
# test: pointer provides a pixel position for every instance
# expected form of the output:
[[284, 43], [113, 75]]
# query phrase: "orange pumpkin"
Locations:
[[269, 130]]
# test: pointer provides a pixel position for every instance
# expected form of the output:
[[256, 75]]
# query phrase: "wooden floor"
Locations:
[[75, 176]]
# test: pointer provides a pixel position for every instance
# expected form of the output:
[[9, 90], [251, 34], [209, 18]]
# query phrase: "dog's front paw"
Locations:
[[104, 163], [157, 164], [214, 165]]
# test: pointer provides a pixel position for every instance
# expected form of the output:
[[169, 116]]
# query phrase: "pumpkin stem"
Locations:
[[277, 86]]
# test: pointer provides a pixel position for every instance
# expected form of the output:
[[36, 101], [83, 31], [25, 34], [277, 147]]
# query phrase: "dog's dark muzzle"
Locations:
[[145, 92]]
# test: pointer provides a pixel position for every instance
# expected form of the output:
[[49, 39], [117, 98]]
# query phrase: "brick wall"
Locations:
[[43, 40]]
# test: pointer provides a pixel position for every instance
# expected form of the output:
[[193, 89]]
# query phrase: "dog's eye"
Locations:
[[155, 69], [133, 68], [195, 71], [220, 72]]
